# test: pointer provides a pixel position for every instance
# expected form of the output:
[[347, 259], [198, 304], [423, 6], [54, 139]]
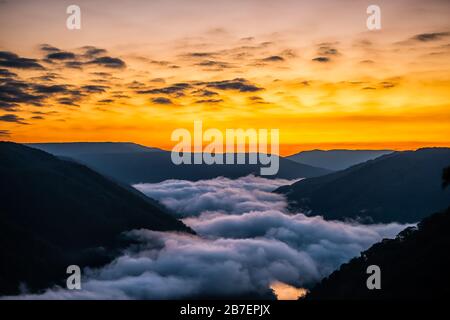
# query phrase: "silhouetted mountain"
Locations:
[[141, 167], [402, 186], [336, 159], [54, 213], [415, 265], [70, 149]]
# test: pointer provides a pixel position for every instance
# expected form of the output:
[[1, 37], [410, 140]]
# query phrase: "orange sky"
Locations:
[[157, 66]]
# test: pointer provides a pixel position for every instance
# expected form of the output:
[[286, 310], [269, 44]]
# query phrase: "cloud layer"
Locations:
[[221, 195], [246, 241]]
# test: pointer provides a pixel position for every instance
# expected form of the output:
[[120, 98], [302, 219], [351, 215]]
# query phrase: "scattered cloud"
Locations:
[[120, 96], [8, 106], [91, 51], [327, 51], [13, 92], [7, 74], [94, 88], [51, 89], [257, 100], [108, 62], [12, 60], [273, 59], [74, 64], [161, 100], [239, 84], [12, 118], [213, 65], [161, 63], [102, 74], [106, 101], [426, 37], [136, 85], [204, 93], [61, 55], [321, 59], [176, 89], [158, 80], [48, 48], [200, 54], [48, 77], [68, 101], [212, 101]]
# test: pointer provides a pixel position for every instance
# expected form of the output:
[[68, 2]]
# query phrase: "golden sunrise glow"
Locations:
[[284, 291], [252, 66]]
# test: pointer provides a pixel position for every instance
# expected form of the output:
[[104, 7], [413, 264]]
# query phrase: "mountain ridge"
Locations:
[[54, 213], [399, 187], [150, 167], [336, 159], [414, 263], [68, 148]]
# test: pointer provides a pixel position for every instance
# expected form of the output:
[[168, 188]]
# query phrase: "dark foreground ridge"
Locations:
[[54, 213], [414, 265]]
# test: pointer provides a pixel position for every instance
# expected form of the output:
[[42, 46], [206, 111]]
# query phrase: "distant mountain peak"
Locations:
[[68, 149], [137, 164], [336, 159]]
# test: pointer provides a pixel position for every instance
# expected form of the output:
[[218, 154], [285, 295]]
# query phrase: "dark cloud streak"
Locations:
[[12, 60], [321, 59], [239, 84], [161, 100], [108, 62], [434, 36], [61, 55], [12, 118]]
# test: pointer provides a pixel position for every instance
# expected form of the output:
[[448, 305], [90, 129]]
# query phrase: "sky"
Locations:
[[137, 70]]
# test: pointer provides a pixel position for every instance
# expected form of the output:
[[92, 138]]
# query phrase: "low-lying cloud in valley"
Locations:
[[246, 241], [220, 195]]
